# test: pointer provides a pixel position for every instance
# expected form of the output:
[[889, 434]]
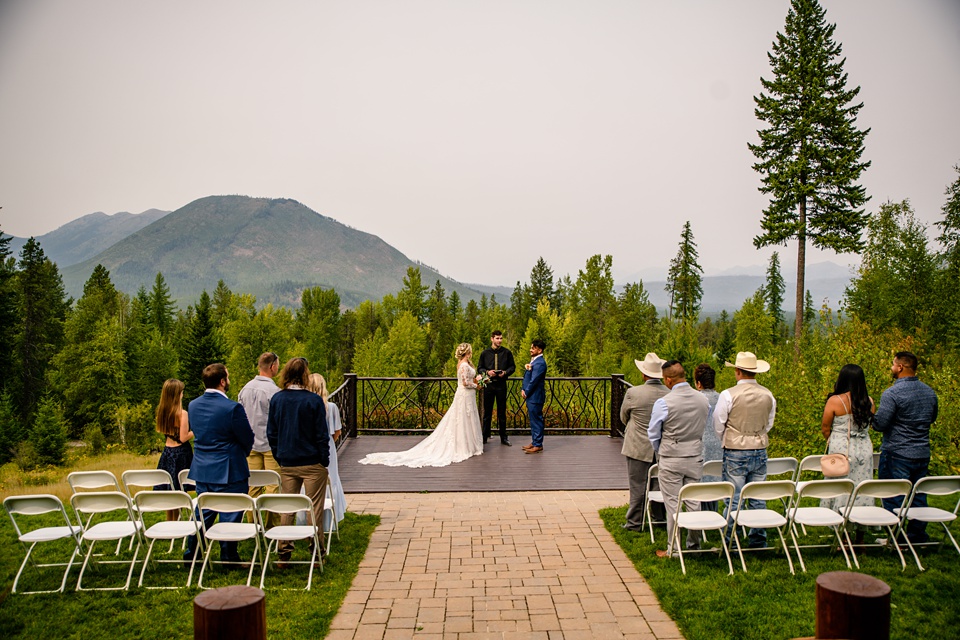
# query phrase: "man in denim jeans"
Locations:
[[742, 419], [906, 411]]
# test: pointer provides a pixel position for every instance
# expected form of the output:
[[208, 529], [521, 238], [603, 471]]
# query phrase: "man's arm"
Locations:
[[625, 411], [508, 365], [657, 418], [323, 435], [885, 412], [242, 430], [273, 431], [720, 413], [482, 366], [773, 414]]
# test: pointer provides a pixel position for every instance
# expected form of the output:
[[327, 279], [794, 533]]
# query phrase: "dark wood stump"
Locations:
[[852, 606], [230, 613]]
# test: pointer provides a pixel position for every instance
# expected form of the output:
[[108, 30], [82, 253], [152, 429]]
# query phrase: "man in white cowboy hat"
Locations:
[[742, 419], [635, 416]]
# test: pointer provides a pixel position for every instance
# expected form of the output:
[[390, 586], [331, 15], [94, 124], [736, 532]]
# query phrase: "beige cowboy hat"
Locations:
[[749, 362], [650, 365]]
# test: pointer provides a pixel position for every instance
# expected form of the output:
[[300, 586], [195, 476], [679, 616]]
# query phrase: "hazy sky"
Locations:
[[450, 128]]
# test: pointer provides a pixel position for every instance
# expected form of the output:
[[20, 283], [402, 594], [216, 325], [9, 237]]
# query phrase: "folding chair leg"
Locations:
[[853, 552], [266, 560], [726, 550], [897, 547], [649, 518], [836, 530], [203, 567], [786, 550], [83, 568], [740, 551], [796, 546], [146, 561], [945, 528]]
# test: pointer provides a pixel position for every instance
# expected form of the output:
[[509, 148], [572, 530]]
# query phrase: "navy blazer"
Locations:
[[222, 439], [533, 381]]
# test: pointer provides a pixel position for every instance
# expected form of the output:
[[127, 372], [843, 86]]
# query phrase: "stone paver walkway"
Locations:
[[496, 565]]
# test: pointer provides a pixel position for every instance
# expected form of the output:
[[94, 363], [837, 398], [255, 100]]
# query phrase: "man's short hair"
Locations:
[[267, 360], [495, 333], [907, 359], [705, 375], [539, 344], [213, 374], [676, 369]]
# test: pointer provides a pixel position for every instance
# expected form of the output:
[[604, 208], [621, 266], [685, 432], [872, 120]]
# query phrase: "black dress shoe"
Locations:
[[506, 442]]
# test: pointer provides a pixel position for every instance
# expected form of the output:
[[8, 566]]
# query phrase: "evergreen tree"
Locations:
[[773, 291], [412, 297], [254, 332], [161, 307], [454, 305], [12, 431], [754, 326], [8, 304], [685, 279], [225, 307], [595, 305], [38, 332], [809, 312], [541, 286], [440, 331], [405, 346], [809, 154], [520, 311], [947, 326], [726, 332], [203, 347], [49, 433]]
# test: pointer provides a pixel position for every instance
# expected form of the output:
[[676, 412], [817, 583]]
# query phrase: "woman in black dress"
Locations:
[[173, 423]]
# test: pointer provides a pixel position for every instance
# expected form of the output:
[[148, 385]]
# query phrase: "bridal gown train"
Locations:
[[456, 438]]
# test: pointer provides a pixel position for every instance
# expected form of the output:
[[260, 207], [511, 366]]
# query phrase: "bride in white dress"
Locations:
[[459, 434]]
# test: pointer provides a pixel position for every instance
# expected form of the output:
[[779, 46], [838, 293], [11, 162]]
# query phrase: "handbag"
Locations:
[[837, 465]]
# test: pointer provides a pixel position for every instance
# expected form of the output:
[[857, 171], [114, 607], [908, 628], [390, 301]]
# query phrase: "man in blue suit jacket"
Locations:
[[222, 440], [533, 392]]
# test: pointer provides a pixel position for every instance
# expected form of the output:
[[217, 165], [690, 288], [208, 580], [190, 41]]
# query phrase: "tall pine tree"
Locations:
[[809, 154], [203, 347], [685, 279], [773, 290], [946, 320]]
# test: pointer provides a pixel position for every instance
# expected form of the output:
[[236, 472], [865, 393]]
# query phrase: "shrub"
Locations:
[[136, 425], [93, 436], [25, 456]]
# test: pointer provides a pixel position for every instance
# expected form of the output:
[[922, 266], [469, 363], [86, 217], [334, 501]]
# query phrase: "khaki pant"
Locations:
[[260, 461], [313, 479]]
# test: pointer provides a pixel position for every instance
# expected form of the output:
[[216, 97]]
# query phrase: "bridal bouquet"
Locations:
[[482, 380]]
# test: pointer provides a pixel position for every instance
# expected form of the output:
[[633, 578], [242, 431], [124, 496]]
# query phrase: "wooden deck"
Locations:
[[567, 463]]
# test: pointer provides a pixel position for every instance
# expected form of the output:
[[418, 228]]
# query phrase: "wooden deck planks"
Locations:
[[567, 463]]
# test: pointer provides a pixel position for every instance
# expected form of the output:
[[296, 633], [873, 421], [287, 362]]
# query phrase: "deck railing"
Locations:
[[380, 406]]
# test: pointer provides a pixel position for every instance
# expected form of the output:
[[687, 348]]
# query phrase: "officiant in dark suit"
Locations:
[[497, 363]]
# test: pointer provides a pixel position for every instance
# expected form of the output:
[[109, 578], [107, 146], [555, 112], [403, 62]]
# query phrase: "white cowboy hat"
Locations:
[[749, 362], [650, 365]]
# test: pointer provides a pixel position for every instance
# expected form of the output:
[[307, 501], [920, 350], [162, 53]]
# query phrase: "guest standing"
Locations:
[[535, 395], [906, 411], [299, 438], [174, 423], [846, 426], [497, 363], [704, 378], [255, 397]]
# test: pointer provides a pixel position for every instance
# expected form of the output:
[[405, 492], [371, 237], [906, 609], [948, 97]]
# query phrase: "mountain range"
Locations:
[[273, 248]]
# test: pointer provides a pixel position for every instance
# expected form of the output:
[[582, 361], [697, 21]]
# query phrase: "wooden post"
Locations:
[[853, 606], [230, 613], [352, 406], [616, 401]]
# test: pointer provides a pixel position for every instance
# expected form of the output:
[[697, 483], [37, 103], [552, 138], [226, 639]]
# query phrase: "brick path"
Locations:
[[496, 565]]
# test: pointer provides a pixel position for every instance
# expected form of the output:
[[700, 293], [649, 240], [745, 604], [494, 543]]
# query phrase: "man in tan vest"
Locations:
[[635, 415], [676, 434], [742, 419]]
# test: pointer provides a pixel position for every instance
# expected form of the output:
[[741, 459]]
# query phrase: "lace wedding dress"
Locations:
[[456, 438]]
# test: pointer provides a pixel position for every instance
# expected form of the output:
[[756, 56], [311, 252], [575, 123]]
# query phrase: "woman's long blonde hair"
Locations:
[[168, 411], [318, 385]]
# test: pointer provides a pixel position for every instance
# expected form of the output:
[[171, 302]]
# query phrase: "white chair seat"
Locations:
[[48, 534], [701, 520], [817, 517], [290, 532], [929, 514], [232, 531], [111, 530], [759, 519], [870, 516], [172, 530]]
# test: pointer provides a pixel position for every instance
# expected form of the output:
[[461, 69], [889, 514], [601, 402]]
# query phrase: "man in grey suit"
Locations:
[[635, 415], [676, 434]]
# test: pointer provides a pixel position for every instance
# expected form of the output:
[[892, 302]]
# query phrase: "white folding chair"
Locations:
[[38, 505], [763, 518], [819, 516], [229, 531], [329, 508], [780, 466], [93, 481], [931, 485], [810, 464], [154, 501], [139, 478], [652, 496], [264, 478], [185, 484], [289, 504], [98, 503], [713, 468], [700, 520], [873, 515]]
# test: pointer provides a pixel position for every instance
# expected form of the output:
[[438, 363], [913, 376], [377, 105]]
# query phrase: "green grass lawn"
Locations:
[[142, 613], [768, 603]]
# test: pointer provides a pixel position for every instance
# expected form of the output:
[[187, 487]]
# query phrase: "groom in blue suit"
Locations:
[[222, 441], [535, 395]]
